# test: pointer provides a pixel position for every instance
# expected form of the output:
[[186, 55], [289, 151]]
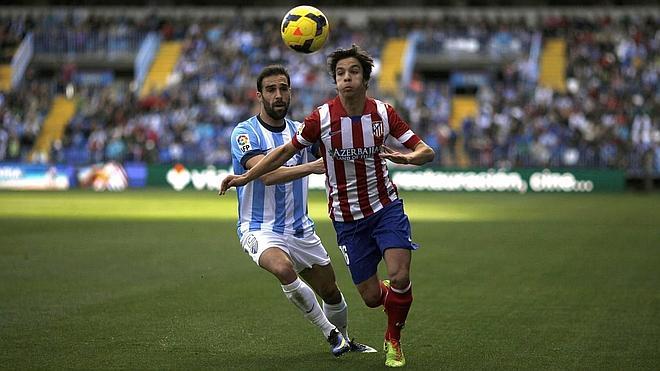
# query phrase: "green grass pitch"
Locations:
[[155, 279]]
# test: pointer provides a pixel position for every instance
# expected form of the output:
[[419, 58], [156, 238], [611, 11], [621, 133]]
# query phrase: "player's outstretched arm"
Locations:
[[270, 162], [288, 173], [420, 155]]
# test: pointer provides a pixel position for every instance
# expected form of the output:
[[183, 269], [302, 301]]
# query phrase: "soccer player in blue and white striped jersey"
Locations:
[[273, 225]]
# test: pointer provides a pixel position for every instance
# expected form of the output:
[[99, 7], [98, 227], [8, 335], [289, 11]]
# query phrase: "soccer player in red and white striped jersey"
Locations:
[[363, 202], [357, 175]]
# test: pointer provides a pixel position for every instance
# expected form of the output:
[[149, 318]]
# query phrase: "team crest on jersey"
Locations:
[[377, 127], [300, 128], [243, 142]]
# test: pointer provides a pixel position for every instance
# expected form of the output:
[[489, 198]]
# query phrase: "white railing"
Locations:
[[109, 43]]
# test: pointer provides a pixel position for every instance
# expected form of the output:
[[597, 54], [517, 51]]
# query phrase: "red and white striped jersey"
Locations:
[[357, 179]]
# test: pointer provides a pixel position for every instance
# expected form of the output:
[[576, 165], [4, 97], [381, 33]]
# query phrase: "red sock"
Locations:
[[397, 306]]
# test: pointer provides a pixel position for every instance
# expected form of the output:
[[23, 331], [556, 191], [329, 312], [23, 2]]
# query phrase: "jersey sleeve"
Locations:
[[400, 129], [309, 132], [245, 144]]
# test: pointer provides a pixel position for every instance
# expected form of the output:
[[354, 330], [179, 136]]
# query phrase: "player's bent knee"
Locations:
[[284, 272], [400, 280]]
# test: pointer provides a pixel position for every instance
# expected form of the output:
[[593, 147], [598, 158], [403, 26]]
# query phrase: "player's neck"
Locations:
[[270, 121], [354, 106]]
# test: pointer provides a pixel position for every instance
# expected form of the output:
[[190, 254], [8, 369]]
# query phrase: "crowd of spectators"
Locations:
[[607, 117], [22, 112], [212, 88], [12, 32]]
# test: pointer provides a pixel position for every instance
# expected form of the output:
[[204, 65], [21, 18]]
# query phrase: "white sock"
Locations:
[[304, 298], [337, 314]]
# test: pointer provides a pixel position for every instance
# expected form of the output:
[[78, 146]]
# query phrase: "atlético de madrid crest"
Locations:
[[377, 127]]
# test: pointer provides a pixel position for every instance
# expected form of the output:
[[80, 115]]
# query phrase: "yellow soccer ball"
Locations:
[[305, 29]]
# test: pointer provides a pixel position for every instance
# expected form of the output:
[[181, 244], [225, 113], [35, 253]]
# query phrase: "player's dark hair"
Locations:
[[272, 70], [358, 53]]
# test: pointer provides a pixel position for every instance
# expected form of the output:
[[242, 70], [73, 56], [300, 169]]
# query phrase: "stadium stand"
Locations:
[[528, 88]]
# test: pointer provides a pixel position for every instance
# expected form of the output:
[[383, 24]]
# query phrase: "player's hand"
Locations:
[[394, 156], [229, 181], [318, 167]]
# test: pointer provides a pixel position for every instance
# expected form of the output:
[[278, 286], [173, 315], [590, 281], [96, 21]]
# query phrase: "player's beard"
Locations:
[[276, 113]]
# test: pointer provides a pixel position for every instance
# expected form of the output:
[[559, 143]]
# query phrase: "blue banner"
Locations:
[[36, 177]]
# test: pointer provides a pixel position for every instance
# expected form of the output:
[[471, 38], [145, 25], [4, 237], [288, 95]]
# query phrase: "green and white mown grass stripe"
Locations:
[[425, 206]]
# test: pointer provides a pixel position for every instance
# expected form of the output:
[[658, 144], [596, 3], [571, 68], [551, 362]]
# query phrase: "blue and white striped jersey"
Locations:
[[280, 208]]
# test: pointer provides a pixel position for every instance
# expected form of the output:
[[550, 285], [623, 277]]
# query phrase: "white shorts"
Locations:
[[304, 252]]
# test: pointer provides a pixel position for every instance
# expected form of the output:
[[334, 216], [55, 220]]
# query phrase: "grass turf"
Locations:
[[155, 279]]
